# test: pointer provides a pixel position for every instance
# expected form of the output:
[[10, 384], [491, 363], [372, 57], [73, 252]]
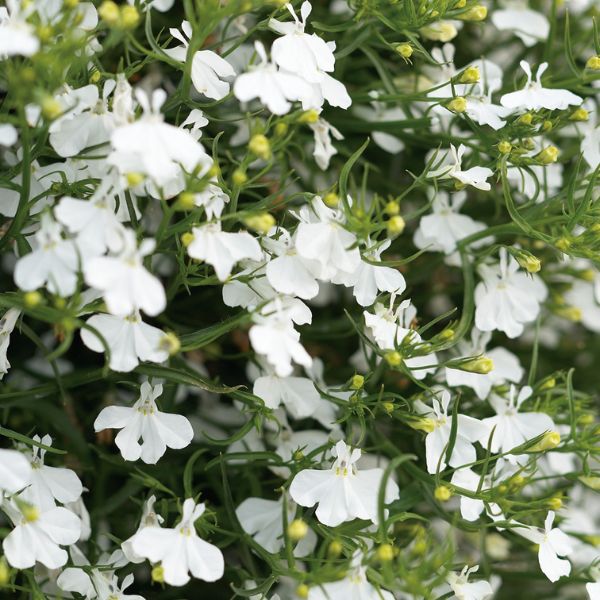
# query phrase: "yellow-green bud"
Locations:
[[130, 17], [525, 119], [392, 208], [457, 105], [239, 177], [587, 419], [554, 503], [442, 493], [331, 199], [214, 170], [469, 75], [261, 222], [109, 12], [571, 313], [547, 126], [460, 4], [133, 179], [422, 424], [504, 147], [260, 146], [335, 549], [95, 76], [44, 33], [529, 262], [4, 572], [446, 334], [388, 407], [185, 201], [591, 481], [70, 3], [588, 275], [187, 238], [440, 31], [51, 108], [593, 63], [281, 129], [548, 384], [170, 342], [309, 116], [580, 115], [517, 481], [563, 244], [32, 299], [297, 530], [395, 226], [476, 13], [481, 365], [158, 574], [550, 440], [547, 155], [385, 553], [404, 50], [60, 303], [302, 591], [357, 382], [393, 358]]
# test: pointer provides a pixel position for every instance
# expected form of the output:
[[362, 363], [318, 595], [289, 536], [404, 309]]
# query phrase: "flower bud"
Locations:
[[440, 31], [529, 262], [442, 493], [260, 146], [571, 313], [170, 342], [109, 12], [388, 407], [261, 222], [469, 75], [460, 4], [481, 365], [32, 299], [187, 238], [297, 530], [547, 155], [555, 503], [593, 63], [395, 226], [335, 549], [504, 147], [590, 481], [457, 105], [476, 13], [129, 18], [51, 108], [392, 208], [385, 553], [404, 50], [525, 119], [563, 244], [357, 382], [446, 334], [158, 574], [185, 201], [281, 129], [547, 126], [133, 179], [4, 572], [70, 3], [309, 116], [331, 199], [95, 76], [239, 177], [550, 440], [587, 419], [580, 115], [548, 384], [422, 424], [393, 358], [302, 591]]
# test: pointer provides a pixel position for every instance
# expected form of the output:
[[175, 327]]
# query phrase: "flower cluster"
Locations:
[[300, 299]]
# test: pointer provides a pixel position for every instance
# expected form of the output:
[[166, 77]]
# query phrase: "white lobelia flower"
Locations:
[[511, 427], [530, 26], [593, 590], [7, 324], [507, 298], [15, 471], [287, 271], [8, 134], [343, 492], [180, 550], [158, 430], [468, 432], [263, 520], [321, 237], [273, 336], [154, 148], [324, 149], [38, 535], [534, 96], [469, 590], [49, 484], [93, 221], [552, 543], [451, 167], [445, 227], [369, 278], [149, 519], [208, 68], [483, 111], [195, 121], [506, 366], [212, 198], [275, 89], [354, 586], [17, 36], [129, 340], [307, 56], [125, 283], [53, 262], [222, 249], [391, 328]]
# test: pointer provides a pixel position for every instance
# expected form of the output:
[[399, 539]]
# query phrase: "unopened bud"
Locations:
[[309, 116], [170, 342], [457, 105], [357, 382], [331, 199], [129, 18], [262, 222], [95, 76], [440, 31], [477, 13], [548, 384], [393, 358], [591, 481], [70, 3], [335, 549], [385, 553], [158, 574], [469, 75], [529, 262], [185, 201], [260, 146], [422, 424], [554, 503], [109, 12], [392, 208], [593, 63], [395, 226], [281, 129], [580, 115], [481, 365], [525, 119], [4, 572], [297, 530], [404, 50], [547, 155], [51, 108], [302, 591], [187, 238], [442, 493], [239, 177], [446, 334], [571, 313], [32, 299], [549, 441], [563, 244], [587, 419], [504, 147], [388, 407]]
